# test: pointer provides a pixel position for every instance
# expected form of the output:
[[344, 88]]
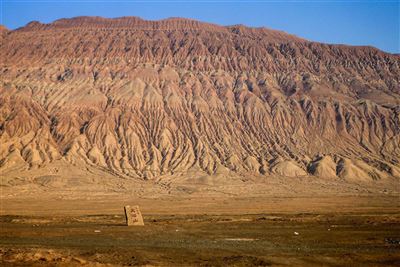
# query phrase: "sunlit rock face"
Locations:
[[144, 99]]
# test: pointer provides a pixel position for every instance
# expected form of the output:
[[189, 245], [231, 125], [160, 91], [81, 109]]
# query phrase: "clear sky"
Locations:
[[356, 22]]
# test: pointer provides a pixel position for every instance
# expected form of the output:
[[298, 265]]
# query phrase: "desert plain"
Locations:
[[199, 231], [199, 224]]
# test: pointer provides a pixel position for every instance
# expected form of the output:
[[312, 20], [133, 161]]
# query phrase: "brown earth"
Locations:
[[325, 231], [167, 100]]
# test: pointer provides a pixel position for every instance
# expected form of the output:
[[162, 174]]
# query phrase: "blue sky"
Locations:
[[354, 22]]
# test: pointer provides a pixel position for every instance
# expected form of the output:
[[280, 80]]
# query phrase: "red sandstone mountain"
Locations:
[[147, 99]]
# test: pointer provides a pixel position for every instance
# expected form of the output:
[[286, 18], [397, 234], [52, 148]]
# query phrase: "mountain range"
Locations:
[[143, 100]]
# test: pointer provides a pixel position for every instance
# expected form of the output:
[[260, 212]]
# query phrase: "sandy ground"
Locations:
[[113, 204], [269, 231]]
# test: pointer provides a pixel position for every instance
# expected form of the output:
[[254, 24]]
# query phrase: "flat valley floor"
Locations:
[[275, 231]]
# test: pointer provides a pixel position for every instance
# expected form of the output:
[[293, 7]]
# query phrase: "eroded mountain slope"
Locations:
[[150, 98]]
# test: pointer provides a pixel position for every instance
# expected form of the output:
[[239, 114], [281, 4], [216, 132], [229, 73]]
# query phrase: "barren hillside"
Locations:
[[144, 100]]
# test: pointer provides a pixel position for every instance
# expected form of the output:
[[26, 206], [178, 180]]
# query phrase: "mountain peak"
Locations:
[[3, 28], [129, 22], [168, 24]]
